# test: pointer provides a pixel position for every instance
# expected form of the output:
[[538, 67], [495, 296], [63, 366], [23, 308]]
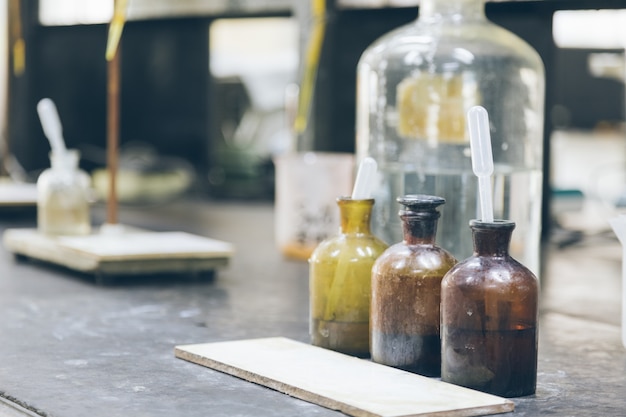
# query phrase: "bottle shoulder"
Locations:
[[455, 41], [490, 272], [45, 175], [64, 176], [357, 245], [424, 258]]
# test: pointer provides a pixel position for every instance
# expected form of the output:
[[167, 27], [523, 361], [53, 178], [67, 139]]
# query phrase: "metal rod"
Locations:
[[113, 129]]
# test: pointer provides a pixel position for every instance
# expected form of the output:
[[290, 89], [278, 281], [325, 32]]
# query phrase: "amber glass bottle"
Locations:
[[406, 289], [489, 305], [340, 271]]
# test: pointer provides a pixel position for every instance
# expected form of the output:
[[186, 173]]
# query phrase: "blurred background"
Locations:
[[208, 90]]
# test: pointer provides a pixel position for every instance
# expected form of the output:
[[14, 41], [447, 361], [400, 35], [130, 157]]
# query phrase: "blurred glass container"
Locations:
[[414, 88], [307, 187], [63, 196], [144, 176]]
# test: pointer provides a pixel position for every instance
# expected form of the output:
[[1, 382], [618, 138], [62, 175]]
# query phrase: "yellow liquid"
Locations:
[[57, 217]]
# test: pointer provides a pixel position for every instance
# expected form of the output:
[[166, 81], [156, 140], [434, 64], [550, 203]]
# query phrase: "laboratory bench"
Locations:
[[73, 348]]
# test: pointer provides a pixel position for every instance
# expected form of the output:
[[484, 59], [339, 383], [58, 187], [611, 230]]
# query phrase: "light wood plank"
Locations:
[[14, 194], [130, 252], [354, 386]]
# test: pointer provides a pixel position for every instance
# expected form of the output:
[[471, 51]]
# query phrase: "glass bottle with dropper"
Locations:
[[340, 271], [63, 189], [63, 196], [489, 301]]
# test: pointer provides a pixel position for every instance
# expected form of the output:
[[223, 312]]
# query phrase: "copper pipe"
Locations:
[[113, 129]]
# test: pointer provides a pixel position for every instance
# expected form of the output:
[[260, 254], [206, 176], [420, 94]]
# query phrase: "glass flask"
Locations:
[[406, 289], [340, 271], [414, 88], [63, 196], [489, 307]]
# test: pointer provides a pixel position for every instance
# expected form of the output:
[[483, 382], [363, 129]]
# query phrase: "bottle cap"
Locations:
[[421, 201], [420, 205], [496, 224]]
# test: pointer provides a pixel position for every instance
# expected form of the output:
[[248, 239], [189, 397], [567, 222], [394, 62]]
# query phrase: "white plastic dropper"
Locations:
[[364, 179], [51, 124], [482, 158]]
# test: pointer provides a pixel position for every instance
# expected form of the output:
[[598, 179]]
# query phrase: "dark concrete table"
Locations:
[[70, 348]]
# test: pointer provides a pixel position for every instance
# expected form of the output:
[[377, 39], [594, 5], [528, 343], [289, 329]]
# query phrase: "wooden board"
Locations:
[[129, 252], [13, 194], [354, 386]]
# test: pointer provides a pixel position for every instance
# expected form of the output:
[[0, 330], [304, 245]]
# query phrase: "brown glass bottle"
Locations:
[[406, 288], [489, 305], [340, 271]]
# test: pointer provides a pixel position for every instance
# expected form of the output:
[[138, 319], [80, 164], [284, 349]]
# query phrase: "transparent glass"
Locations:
[[406, 289], [340, 271], [414, 88], [307, 184], [489, 310], [63, 197]]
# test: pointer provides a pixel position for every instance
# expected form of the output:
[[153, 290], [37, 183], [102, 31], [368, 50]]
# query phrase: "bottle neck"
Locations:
[[492, 239], [419, 228], [453, 10], [355, 215], [66, 161]]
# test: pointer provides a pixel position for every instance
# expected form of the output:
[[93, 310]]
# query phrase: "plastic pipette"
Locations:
[[482, 158], [51, 125], [364, 179]]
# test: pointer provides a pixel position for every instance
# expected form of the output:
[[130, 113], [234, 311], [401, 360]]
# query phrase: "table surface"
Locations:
[[71, 348]]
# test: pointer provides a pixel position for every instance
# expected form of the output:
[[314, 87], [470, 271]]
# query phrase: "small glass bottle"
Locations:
[[415, 85], [63, 196], [340, 271], [489, 307], [406, 289]]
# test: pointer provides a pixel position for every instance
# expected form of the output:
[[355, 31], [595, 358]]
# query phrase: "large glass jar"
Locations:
[[489, 310], [340, 271], [63, 196], [414, 88], [406, 289]]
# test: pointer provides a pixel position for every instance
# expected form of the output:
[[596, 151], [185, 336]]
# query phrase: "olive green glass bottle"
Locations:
[[340, 271]]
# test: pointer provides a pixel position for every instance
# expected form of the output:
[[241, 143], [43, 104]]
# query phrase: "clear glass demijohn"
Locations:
[[414, 88]]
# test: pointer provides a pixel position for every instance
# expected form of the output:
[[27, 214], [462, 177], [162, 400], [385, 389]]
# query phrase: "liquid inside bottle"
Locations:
[[63, 197]]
